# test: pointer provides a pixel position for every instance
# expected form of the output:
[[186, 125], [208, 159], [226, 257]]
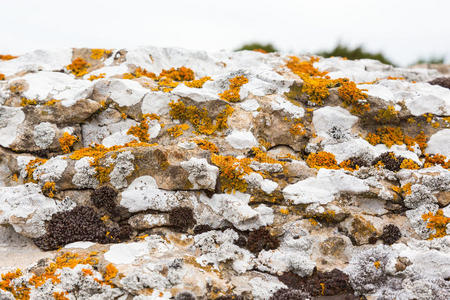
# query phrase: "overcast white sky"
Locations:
[[403, 29]]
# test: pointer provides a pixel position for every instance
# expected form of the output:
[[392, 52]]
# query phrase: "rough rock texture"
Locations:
[[160, 173]]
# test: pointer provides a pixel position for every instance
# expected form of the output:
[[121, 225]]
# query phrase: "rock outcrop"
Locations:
[[161, 173]]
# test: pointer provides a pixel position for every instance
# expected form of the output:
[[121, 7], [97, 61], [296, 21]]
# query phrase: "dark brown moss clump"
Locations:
[[391, 234], [319, 283], [182, 218], [199, 229], [357, 161], [79, 224], [288, 294], [390, 161], [104, 197], [442, 81], [185, 296], [261, 239]]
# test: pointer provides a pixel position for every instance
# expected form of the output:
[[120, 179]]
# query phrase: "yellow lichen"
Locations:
[[51, 102], [207, 145], [197, 83], [388, 114], [394, 136], [66, 141], [177, 130], [97, 152], [141, 131], [322, 159], [233, 170], [99, 53], [409, 164], [24, 102], [78, 67], [297, 129], [95, 77], [49, 189], [232, 94], [437, 222], [199, 117]]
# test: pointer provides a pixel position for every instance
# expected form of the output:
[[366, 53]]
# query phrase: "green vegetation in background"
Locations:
[[355, 53], [258, 46], [430, 60], [342, 50]]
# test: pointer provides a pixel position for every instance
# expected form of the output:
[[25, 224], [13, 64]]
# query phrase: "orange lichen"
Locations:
[[141, 131], [78, 67], [177, 130], [51, 102], [264, 143], [438, 222], [178, 74], [377, 264], [297, 129], [405, 190], [322, 159], [284, 211], [232, 94], [110, 272], [66, 141], [199, 117], [394, 136], [313, 222], [409, 164], [19, 292], [49, 189], [316, 88], [60, 295], [436, 159], [97, 152], [25, 102], [206, 145], [316, 85], [232, 172], [31, 167], [95, 77], [348, 165], [353, 96], [2, 76], [66, 260], [7, 57], [99, 53], [197, 83], [300, 67]]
